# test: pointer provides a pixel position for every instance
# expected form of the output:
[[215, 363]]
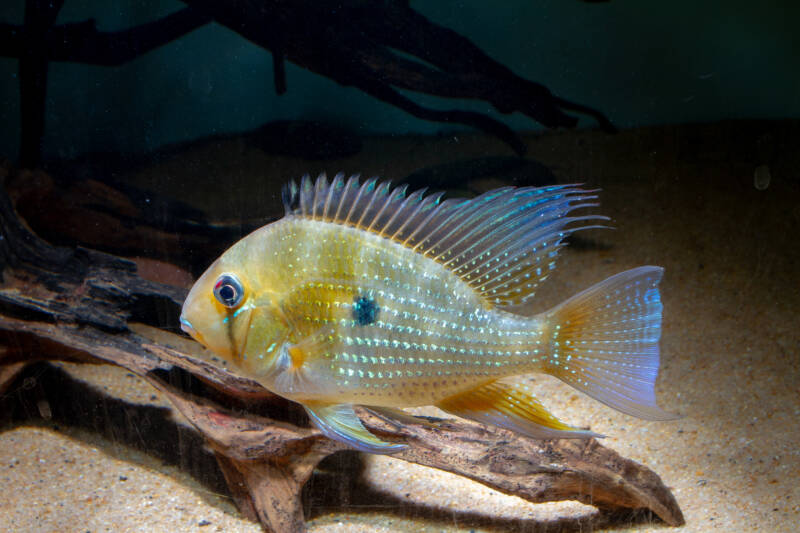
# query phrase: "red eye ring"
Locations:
[[228, 291]]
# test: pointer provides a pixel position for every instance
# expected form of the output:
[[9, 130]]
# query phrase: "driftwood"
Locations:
[[39, 40], [378, 47], [118, 218], [356, 42], [78, 304]]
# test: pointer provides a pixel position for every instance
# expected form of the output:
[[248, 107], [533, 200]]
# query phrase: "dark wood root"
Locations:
[[539, 470], [536, 470], [8, 373], [378, 47], [117, 218], [39, 41], [269, 491], [238, 486], [79, 305], [275, 488], [82, 42]]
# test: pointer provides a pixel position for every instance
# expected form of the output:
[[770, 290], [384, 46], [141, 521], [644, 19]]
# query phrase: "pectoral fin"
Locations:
[[510, 406], [339, 422]]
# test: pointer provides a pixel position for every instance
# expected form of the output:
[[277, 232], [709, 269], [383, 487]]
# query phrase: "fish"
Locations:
[[366, 295]]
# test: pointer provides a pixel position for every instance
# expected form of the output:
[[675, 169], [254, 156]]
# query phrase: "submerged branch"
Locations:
[[82, 42], [378, 47], [76, 304]]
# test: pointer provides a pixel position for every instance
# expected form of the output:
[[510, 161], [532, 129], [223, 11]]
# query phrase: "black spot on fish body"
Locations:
[[365, 310]]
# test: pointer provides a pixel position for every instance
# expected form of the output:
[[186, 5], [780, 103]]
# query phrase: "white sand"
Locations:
[[683, 198]]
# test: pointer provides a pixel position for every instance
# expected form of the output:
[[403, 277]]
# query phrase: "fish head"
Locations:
[[233, 315]]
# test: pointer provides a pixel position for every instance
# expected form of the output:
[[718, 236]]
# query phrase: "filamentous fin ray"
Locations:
[[339, 422], [605, 342], [509, 404], [502, 243]]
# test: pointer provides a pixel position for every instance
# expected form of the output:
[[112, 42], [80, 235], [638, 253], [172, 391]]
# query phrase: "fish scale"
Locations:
[[438, 343], [363, 295]]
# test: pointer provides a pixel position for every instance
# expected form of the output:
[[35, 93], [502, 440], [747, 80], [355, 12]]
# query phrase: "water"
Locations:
[[169, 158]]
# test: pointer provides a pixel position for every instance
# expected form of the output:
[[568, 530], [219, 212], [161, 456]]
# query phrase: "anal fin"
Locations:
[[339, 422], [511, 406], [397, 417]]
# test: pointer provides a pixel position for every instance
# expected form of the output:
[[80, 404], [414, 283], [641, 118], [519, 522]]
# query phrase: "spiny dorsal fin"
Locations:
[[503, 243]]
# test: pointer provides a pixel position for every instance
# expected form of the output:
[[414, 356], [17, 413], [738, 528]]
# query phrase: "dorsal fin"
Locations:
[[503, 243]]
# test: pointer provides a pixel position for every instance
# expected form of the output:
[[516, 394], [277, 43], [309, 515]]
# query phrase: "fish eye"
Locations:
[[229, 291]]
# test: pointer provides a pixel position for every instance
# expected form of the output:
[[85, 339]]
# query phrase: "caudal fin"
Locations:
[[605, 342]]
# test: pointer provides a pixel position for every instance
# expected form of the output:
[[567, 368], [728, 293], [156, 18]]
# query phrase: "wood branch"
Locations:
[[118, 218], [40, 16], [356, 43], [82, 42], [464, 70], [536, 470], [378, 47], [78, 304], [39, 41], [8, 373]]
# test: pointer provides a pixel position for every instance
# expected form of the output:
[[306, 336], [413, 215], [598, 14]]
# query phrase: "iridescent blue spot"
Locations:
[[365, 311], [651, 296]]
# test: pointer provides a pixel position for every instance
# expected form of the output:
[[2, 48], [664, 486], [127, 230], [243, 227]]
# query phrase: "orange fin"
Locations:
[[511, 406], [290, 373], [311, 347]]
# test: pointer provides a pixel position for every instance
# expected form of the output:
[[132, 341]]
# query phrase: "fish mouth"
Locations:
[[187, 327]]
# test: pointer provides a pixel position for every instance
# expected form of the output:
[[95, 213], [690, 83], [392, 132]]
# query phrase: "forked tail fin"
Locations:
[[604, 342]]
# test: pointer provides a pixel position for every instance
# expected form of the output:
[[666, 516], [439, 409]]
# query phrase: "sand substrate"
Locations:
[[684, 197]]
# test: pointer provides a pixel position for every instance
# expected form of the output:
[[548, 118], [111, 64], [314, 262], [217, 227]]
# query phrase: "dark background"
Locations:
[[642, 63]]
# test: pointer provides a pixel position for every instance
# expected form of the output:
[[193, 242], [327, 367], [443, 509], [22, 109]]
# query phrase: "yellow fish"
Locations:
[[362, 295]]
